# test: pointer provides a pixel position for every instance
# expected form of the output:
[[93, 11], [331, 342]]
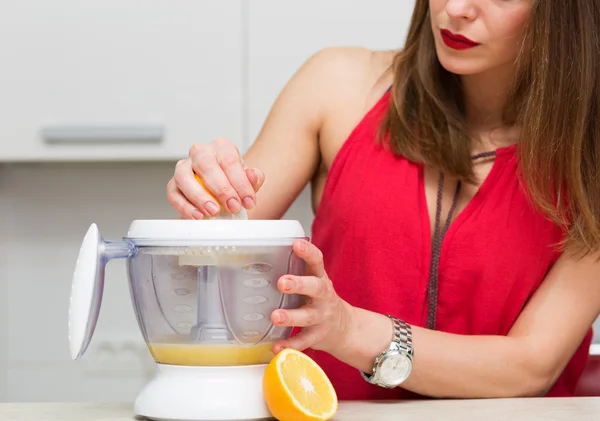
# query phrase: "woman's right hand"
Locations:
[[222, 170]]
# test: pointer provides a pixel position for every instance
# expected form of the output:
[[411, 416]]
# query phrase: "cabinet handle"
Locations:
[[89, 134]]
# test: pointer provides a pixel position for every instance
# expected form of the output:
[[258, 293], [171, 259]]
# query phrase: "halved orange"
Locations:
[[295, 388]]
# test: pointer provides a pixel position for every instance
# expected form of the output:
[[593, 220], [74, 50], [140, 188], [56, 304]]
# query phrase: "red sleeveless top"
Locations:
[[373, 228]]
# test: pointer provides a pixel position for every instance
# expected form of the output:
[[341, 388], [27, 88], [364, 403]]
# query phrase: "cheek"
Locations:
[[508, 33], [436, 7]]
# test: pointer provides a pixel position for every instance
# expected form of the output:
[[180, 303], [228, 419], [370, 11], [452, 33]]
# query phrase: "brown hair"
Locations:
[[555, 102]]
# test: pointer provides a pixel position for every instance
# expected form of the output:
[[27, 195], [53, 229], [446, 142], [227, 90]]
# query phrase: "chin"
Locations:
[[463, 66]]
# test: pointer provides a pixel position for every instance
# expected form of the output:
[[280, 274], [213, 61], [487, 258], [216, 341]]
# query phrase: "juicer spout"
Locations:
[[118, 249]]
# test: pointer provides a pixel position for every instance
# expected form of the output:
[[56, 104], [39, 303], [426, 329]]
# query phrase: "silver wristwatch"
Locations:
[[393, 366]]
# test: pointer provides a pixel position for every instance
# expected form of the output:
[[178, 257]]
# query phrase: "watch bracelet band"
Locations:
[[402, 339], [402, 335]]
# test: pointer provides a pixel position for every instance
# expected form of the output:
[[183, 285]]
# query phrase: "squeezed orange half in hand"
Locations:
[[206, 189], [295, 388], [223, 212]]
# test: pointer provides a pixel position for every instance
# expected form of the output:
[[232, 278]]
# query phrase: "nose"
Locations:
[[461, 9]]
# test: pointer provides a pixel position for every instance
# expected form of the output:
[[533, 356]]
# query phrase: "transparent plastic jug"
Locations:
[[202, 291]]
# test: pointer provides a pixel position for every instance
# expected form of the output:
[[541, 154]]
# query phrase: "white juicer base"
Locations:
[[181, 393]]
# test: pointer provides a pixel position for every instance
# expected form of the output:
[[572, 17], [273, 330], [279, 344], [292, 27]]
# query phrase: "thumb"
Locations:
[[256, 178]]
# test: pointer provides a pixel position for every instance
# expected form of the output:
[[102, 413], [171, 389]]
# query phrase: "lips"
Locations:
[[456, 41]]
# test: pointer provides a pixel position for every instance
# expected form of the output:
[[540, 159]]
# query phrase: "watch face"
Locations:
[[395, 369]]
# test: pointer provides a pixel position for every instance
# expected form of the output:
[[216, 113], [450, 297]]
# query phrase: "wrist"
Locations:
[[347, 327], [380, 339], [366, 335], [393, 366]]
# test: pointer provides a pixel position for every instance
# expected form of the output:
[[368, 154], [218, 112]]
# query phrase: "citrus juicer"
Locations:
[[203, 293]]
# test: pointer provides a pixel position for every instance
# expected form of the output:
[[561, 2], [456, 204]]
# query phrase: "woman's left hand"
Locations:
[[325, 317]]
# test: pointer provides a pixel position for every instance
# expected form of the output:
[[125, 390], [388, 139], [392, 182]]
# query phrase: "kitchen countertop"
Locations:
[[524, 409]]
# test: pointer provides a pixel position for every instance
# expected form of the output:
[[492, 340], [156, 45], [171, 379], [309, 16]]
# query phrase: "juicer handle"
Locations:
[[87, 286]]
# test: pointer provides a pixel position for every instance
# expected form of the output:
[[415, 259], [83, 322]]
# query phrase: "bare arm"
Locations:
[[283, 158], [287, 149], [526, 362]]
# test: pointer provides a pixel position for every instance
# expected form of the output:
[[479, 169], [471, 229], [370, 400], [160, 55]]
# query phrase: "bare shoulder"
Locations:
[[346, 82], [332, 88], [343, 72], [309, 119], [363, 76], [354, 61], [355, 79]]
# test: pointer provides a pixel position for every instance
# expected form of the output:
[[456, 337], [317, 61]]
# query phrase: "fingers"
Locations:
[[303, 340], [204, 162], [227, 181], [230, 161], [179, 202], [301, 317], [312, 256], [310, 286], [256, 178], [188, 186]]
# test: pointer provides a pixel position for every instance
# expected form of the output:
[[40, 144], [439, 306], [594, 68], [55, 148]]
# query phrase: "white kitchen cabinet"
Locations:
[[118, 79], [282, 35]]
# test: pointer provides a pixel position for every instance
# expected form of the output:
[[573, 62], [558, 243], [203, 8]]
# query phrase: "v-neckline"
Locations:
[[502, 154]]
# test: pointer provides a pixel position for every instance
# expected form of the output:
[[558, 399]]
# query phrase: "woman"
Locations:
[[463, 201]]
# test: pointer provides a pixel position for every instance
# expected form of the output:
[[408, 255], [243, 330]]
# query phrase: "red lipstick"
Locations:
[[457, 42]]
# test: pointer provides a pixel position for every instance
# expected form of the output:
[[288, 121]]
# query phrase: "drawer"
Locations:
[[118, 80]]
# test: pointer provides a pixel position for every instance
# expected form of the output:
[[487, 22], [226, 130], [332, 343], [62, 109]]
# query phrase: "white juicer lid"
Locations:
[[87, 286], [189, 232], [86, 293]]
